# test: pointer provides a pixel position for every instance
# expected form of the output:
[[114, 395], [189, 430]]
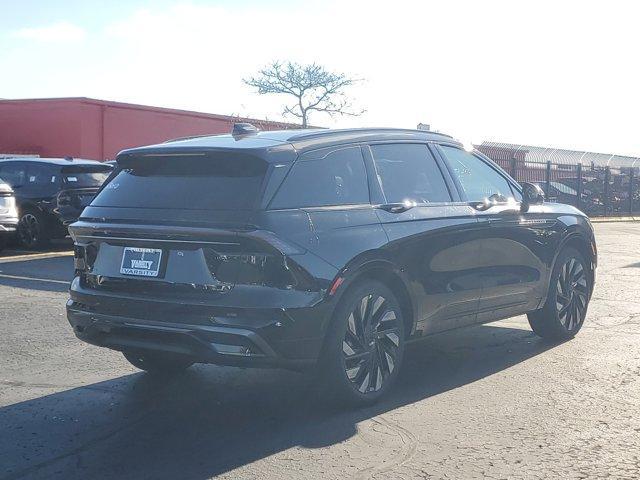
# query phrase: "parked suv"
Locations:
[[8, 213], [51, 193], [328, 248]]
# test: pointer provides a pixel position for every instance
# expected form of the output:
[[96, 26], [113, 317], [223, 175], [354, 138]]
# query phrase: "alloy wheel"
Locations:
[[29, 229], [371, 343], [572, 294]]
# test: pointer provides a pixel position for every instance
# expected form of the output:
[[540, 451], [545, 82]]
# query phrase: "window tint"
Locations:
[[478, 179], [216, 181], [323, 178], [13, 173], [41, 175], [82, 176], [408, 172]]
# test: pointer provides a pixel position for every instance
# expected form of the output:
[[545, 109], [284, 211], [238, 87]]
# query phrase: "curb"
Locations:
[[613, 219]]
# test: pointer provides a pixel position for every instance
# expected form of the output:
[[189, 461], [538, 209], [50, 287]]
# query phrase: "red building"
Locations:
[[99, 129]]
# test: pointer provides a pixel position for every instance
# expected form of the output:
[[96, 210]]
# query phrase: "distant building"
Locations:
[[99, 129]]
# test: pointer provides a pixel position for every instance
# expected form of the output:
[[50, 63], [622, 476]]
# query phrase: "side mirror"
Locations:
[[532, 194]]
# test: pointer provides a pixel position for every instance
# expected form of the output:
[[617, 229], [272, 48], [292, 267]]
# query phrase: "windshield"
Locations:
[[214, 181]]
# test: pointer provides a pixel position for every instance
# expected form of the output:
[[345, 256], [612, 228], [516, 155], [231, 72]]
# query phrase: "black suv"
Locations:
[[51, 193], [8, 213], [321, 248]]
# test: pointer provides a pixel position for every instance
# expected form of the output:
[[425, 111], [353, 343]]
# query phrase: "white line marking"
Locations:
[[18, 277], [35, 256]]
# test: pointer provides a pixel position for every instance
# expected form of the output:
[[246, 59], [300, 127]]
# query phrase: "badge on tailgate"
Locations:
[[142, 262]]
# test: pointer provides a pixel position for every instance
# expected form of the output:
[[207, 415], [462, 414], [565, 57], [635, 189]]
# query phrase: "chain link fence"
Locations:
[[598, 184]]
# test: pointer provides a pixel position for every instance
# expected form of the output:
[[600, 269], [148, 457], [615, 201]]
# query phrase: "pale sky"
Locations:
[[550, 73]]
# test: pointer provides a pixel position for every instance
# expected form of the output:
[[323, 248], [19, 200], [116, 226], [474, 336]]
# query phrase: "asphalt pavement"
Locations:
[[490, 401]]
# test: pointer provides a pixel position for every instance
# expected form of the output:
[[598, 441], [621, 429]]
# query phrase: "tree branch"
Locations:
[[314, 88]]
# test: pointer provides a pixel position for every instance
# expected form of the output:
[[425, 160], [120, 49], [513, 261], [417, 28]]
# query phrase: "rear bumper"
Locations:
[[246, 337], [205, 344]]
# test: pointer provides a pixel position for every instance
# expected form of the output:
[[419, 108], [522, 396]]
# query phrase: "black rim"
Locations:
[[29, 229], [571, 294], [371, 343]]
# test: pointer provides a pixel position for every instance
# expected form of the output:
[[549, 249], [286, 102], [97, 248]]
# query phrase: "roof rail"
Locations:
[[328, 132]]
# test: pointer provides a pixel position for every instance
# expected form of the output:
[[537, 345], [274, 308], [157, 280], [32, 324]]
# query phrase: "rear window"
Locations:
[[83, 176], [198, 182]]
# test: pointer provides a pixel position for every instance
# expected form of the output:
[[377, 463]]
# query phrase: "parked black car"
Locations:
[[325, 248], [51, 193], [8, 213]]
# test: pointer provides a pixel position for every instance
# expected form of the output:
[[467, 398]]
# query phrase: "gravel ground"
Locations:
[[490, 401]]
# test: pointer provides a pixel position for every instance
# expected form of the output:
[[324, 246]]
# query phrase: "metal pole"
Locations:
[[579, 187], [548, 180], [513, 168], [631, 191], [607, 179]]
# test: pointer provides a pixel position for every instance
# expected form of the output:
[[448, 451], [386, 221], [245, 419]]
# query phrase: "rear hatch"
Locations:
[[80, 183], [179, 224]]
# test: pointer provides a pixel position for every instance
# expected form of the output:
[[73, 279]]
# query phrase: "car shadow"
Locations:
[[211, 420], [51, 274]]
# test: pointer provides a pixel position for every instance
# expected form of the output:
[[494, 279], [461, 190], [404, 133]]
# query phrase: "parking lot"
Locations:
[[490, 401]]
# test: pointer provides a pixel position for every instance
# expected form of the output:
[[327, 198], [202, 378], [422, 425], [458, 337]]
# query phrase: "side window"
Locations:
[[13, 173], [408, 172], [478, 179], [41, 175], [323, 178]]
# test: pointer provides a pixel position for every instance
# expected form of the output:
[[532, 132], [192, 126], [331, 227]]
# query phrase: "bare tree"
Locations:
[[314, 89]]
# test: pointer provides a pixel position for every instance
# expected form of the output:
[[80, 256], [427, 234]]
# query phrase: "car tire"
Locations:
[[364, 346], [565, 309], [3, 242], [158, 363], [32, 231]]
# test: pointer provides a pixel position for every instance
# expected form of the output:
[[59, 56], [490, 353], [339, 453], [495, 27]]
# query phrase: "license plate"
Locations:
[[141, 262]]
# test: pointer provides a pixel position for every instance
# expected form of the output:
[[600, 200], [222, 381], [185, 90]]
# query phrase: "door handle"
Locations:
[[481, 206], [396, 207]]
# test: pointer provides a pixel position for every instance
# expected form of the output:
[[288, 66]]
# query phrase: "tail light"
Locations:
[[250, 268], [8, 204], [79, 258], [84, 256]]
